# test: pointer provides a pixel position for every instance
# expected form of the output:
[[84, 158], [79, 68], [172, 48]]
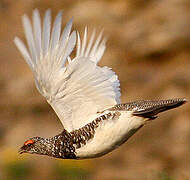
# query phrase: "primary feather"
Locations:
[[75, 88]]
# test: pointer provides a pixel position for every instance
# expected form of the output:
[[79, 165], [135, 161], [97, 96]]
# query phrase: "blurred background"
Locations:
[[148, 47]]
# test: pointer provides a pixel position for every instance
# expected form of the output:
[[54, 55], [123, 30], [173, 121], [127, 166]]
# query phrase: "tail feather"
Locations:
[[157, 107]]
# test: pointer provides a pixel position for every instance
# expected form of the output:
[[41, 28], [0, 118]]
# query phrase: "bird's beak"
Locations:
[[20, 151]]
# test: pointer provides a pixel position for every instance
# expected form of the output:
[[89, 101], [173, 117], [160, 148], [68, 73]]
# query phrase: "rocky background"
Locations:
[[148, 47]]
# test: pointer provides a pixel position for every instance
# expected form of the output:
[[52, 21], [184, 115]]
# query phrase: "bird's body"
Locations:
[[85, 97], [110, 134]]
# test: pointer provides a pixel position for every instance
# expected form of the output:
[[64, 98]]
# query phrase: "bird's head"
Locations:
[[58, 146], [35, 145]]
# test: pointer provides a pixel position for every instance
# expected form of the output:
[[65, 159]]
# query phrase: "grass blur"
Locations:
[[12, 167], [73, 170], [148, 47], [17, 170]]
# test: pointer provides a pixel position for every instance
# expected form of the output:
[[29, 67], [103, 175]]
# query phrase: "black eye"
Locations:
[[29, 145]]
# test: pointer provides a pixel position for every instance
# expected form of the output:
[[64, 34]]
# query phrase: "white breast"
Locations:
[[110, 134]]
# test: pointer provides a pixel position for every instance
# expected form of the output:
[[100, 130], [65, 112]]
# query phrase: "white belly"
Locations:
[[110, 134]]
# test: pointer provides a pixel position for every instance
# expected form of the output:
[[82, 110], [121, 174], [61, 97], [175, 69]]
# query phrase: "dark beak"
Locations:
[[20, 151]]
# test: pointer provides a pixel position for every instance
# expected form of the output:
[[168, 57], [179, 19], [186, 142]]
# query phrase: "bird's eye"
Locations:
[[29, 142]]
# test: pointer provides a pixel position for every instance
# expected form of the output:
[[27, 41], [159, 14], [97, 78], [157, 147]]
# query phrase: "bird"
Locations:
[[84, 95]]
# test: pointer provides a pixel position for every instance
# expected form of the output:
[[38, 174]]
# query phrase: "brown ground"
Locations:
[[148, 47]]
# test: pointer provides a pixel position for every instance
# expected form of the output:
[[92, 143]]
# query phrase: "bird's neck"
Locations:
[[61, 146], [64, 145]]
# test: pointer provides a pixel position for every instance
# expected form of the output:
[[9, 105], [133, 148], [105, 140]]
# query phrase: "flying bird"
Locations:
[[85, 96]]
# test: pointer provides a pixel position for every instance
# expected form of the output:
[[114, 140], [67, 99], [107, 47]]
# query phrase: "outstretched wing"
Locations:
[[75, 88]]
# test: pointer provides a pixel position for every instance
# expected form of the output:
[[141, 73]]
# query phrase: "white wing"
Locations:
[[76, 89]]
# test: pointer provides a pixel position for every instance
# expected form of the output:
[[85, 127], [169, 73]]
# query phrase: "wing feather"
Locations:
[[75, 88], [90, 43], [78, 45], [70, 46], [21, 47], [84, 42], [56, 31], [37, 32], [29, 37], [95, 47], [66, 33], [46, 31]]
